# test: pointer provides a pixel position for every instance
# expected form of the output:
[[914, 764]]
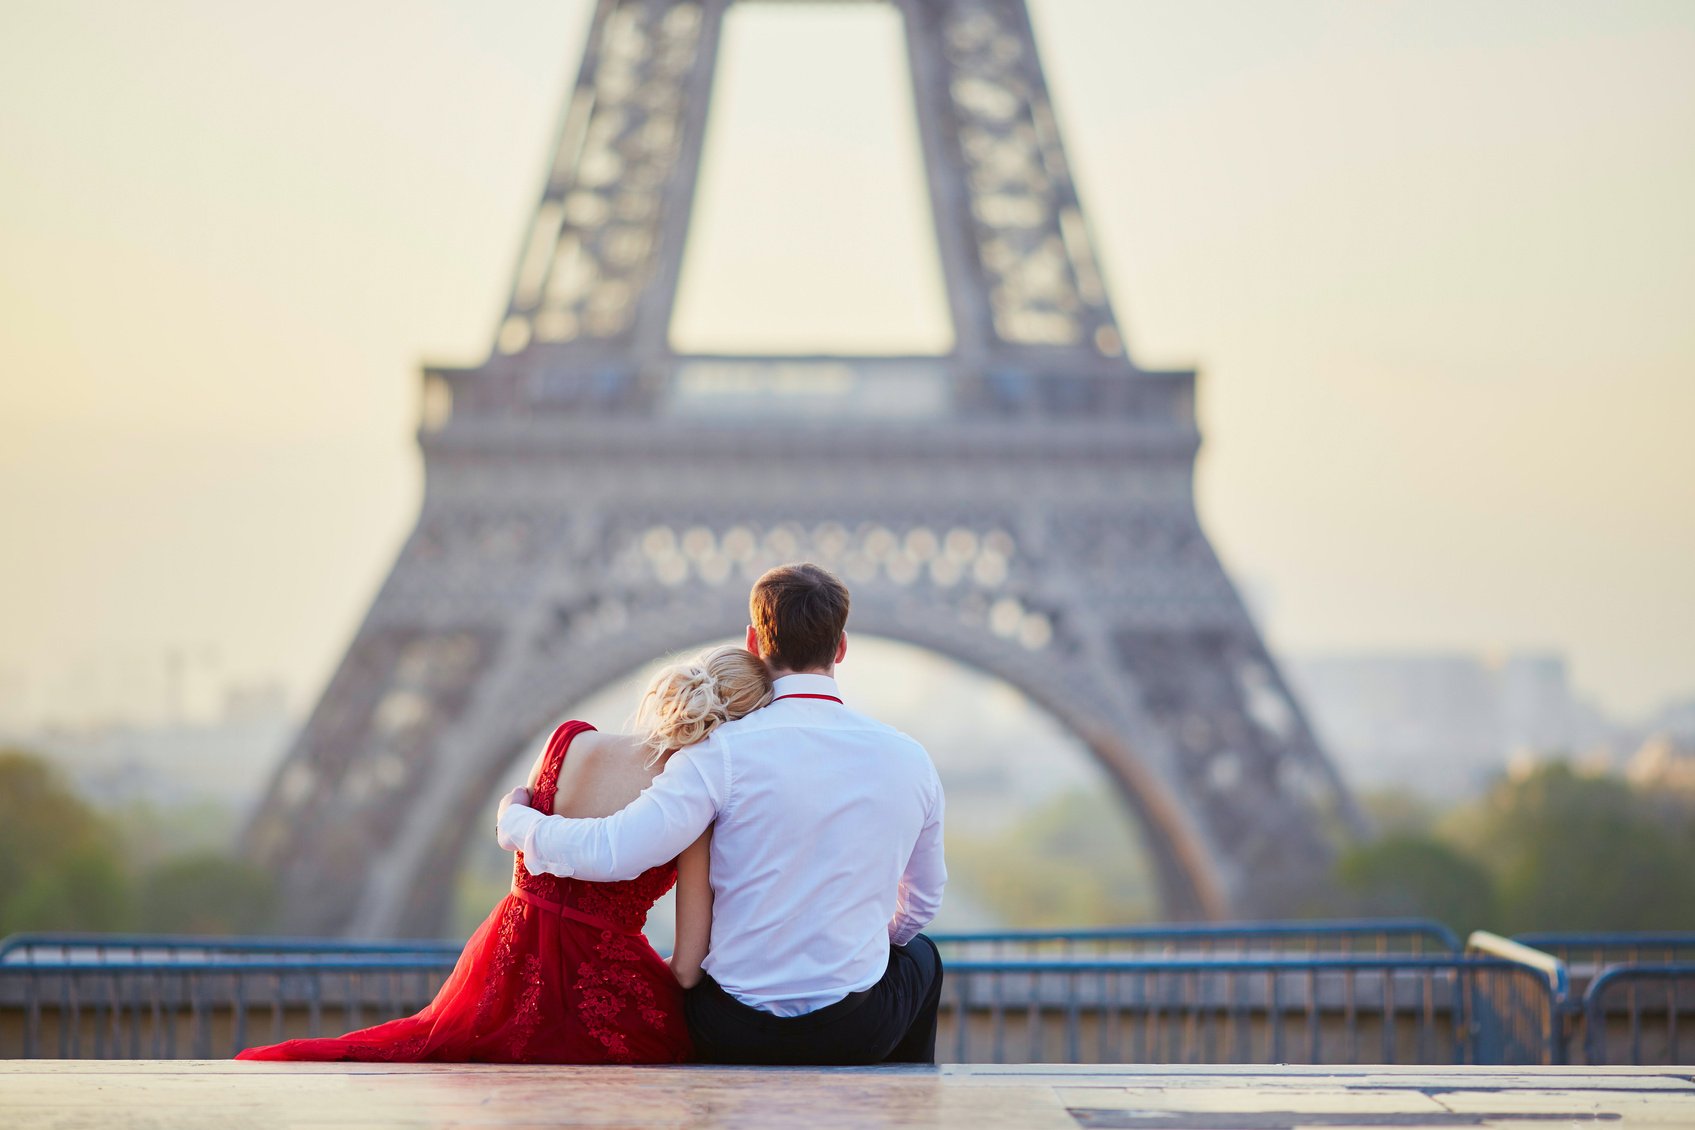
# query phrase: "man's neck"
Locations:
[[827, 672]]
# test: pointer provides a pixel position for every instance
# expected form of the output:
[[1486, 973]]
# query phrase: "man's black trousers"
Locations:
[[894, 1021]]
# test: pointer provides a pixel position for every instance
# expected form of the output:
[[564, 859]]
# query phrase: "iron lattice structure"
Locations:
[[594, 499]]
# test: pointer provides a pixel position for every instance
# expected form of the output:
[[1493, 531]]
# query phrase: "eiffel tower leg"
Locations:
[[500, 612], [1210, 710], [1209, 737], [598, 266], [1016, 255], [1117, 618]]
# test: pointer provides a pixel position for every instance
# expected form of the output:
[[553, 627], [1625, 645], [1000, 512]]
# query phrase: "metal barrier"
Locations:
[[1351, 936], [1323, 992], [1336, 1009], [102, 948], [1502, 1015], [201, 1009], [1246, 939], [1272, 1010], [1589, 952], [1645, 1008], [1381, 937]]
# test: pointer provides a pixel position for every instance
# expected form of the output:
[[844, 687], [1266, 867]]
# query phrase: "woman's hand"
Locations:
[[519, 795]]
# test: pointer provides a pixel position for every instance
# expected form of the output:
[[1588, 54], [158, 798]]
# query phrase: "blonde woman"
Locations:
[[559, 972]]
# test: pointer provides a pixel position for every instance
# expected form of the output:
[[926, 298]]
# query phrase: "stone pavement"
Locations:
[[117, 1095]]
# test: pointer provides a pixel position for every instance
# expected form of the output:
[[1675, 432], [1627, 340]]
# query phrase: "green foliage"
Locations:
[[1410, 875], [83, 889], [152, 834], [55, 873], [1575, 852], [65, 865], [206, 893], [1398, 811], [1553, 849], [1072, 862]]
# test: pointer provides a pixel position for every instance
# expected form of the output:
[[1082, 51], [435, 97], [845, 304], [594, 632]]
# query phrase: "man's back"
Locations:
[[820, 810]]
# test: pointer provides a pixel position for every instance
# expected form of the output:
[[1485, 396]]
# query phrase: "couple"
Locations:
[[805, 841]]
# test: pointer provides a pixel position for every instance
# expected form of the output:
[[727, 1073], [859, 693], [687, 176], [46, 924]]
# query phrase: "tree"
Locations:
[[58, 867], [1074, 861], [1408, 874], [206, 893], [65, 865], [1575, 852]]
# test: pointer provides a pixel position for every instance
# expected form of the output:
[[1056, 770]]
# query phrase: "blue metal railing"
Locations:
[[1650, 1001], [1381, 937], [101, 948], [1336, 991], [165, 993], [1332, 1009], [1327, 1009], [1502, 1017], [1346, 936], [1600, 948], [1553, 969], [165, 1009]]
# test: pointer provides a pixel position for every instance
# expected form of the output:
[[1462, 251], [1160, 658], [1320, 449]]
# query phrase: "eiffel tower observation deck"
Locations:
[[594, 499]]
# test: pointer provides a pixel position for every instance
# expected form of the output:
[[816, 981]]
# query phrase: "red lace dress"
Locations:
[[558, 973]]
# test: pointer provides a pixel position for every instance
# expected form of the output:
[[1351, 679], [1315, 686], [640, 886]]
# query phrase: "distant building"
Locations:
[[227, 761], [1665, 765], [1443, 723], [1677, 721]]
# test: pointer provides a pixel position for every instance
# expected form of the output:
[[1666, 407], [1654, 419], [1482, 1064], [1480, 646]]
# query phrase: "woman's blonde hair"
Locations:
[[688, 700]]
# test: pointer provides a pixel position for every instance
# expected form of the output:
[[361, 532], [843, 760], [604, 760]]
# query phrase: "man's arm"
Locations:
[[920, 894], [653, 829]]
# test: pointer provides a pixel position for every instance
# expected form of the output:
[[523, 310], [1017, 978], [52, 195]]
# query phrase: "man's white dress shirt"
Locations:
[[826, 845]]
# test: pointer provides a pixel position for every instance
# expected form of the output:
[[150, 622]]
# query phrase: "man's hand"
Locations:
[[519, 795]]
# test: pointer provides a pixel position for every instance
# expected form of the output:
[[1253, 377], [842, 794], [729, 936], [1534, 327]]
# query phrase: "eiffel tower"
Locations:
[[594, 499]]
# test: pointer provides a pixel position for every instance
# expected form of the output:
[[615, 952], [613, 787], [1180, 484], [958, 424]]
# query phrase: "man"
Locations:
[[826, 855]]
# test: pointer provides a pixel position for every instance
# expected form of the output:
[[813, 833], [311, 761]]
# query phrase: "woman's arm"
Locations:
[[535, 769], [694, 910]]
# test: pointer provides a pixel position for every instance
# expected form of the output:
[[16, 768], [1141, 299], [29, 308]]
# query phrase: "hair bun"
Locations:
[[687, 701]]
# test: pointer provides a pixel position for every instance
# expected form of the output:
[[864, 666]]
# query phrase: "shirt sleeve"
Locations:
[[667, 817], [920, 894]]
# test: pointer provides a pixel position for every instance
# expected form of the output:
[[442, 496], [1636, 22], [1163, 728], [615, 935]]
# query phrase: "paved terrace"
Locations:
[[183, 1095]]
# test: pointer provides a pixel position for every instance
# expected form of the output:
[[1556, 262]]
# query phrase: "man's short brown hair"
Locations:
[[799, 612]]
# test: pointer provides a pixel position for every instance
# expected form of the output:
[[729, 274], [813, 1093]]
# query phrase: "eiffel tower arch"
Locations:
[[593, 499]]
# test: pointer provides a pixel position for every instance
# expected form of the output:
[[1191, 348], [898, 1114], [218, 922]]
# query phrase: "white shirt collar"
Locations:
[[805, 684]]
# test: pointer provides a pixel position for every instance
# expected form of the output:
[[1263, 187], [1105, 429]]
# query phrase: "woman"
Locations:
[[560, 971]]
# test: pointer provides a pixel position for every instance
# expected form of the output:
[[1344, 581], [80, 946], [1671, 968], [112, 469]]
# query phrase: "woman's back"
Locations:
[[603, 774], [559, 971], [583, 772]]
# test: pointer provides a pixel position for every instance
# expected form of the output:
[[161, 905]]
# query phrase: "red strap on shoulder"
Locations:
[[547, 783]]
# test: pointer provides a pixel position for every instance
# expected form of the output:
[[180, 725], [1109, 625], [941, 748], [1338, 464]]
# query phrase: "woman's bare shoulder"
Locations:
[[601, 745], [595, 754], [585, 743], [603, 776]]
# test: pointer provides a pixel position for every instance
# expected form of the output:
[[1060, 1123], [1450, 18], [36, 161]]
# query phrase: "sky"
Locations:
[[1434, 261]]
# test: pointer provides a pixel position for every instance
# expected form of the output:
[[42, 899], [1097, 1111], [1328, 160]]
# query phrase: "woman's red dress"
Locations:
[[558, 973]]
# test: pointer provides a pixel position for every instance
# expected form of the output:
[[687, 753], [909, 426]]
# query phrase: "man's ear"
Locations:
[[841, 649], [753, 641]]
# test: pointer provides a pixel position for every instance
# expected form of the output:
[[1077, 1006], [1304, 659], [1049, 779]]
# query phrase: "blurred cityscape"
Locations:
[[1416, 735], [1438, 725], [1443, 725]]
